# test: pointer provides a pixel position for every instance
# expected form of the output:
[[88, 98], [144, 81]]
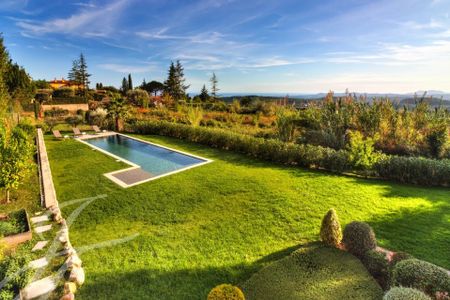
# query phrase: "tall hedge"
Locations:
[[404, 169], [330, 231]]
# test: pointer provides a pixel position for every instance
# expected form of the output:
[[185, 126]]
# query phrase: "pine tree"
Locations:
[[170, 83], [83, 73], [130, 82], [181, 87], [330, 231], [74, 72], [204, 96], [214, 88], [125, 86]]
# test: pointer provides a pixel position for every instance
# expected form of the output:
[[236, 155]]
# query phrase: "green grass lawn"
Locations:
[[313, 272], [223, 221]]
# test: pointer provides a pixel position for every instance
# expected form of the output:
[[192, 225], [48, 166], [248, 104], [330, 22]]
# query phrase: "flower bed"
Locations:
[[16, 228]]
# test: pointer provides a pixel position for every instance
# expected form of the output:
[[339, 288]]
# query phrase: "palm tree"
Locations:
[[118, 110]]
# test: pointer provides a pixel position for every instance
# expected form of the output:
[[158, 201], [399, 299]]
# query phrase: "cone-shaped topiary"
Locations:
[[226, 292], [359, 238], [330, 231], [402, 293]]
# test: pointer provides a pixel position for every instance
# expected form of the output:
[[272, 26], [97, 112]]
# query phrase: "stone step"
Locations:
[[38, 263], [39, 288], [44, 228], [39, 246], [39, 219]]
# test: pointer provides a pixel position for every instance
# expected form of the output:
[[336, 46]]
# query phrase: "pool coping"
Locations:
[[119, 182]]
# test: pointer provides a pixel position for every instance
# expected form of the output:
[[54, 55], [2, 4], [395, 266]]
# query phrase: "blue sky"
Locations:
[[298, 46]]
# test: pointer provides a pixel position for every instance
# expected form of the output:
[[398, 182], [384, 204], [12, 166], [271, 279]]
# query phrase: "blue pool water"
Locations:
[[151, 158]]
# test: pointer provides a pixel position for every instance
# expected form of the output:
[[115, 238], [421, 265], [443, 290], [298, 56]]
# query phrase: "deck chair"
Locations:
[[57, 134], [76, 131], [96, 129]]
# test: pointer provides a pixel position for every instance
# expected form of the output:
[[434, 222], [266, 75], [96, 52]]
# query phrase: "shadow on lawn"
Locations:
[[179, 284]]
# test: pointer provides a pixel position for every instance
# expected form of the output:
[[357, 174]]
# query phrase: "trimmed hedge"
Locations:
[[330, 231], [226, 292], [421, 275], [378, 266], [404, 169], [359, 238], [401, 293]]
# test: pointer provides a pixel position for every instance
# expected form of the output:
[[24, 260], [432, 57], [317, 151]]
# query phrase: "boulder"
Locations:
[[77, 275], [73, 261], [70, 288], [69, 296]]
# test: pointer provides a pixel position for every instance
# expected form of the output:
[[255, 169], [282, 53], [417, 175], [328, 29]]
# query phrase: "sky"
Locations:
[[267, 46]]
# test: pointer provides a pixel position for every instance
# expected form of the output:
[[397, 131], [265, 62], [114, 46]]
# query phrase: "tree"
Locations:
[[125, 86], [138, 97], [174, 85], [153, 87], [204, 96], [15, 154], [130, 82], [214, 88], [4, 66], [73, 74], [79, 73], [330, 231], [118, 110]]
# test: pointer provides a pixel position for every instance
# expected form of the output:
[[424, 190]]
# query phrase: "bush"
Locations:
[[63, 93], [226, 292], [362, 151], [330, 231], [56, 112], [398, 257], [12, 269], [378, 266], [402, 293], [359, 238], [421, 275], [416, 170]]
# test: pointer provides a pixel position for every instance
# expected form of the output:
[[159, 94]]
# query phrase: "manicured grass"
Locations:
[[313, 272], [223, 221]]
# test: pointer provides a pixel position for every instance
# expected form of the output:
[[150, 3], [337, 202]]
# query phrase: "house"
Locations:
[[63, 83]]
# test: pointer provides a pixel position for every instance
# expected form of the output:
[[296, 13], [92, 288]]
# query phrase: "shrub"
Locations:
[[402, 293], [378, 266], [330, 231], [56, 112], [226, 292], [421, 275], [399, 256], [359, 238], [12, 270], [362, 151], [63, 93], [75, 120], [437, 140]]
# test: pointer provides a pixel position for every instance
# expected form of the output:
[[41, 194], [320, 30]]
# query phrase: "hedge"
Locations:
[[404, 169]]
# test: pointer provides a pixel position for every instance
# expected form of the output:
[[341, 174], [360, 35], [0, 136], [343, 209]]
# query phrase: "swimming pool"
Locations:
[[148, 161]]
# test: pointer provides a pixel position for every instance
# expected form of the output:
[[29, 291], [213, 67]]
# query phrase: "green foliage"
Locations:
[[74, 120], [15, 273], [16, 223], [226, 292], [361, 151], [6, 294], [64, 93], [56, 112], [285, 124], [437, 140], [398, 257], [330, 231], [404, 293], [138, 97], [421, 275], [118, 110], [313, 272], [4, 67], [153, 88], [359, 238], [79, 73], [174, 85], [16, 151], [204, 96], [194, 115], [41, 84], [378, 266], [416, 170]]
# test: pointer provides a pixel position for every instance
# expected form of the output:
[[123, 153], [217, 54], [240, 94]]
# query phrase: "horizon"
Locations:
[[253, 47]]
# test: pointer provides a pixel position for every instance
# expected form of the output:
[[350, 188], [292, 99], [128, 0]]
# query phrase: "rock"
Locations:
[[70, 288], [69, 296], [73, 261], [77, 276], [64, 236]]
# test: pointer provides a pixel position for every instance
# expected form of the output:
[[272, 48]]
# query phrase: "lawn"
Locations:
[[224, 221]]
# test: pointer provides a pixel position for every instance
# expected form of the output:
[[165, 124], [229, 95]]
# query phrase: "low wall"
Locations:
[[45, 174], [69, 107], [13, 240]]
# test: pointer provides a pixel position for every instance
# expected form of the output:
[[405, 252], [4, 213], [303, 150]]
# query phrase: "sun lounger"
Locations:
[[57, 134], [96, 129], [76, 131]]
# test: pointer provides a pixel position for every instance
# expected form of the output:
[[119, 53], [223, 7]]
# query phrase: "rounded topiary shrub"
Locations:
[[402, 293], [359, 238], [399, 256], [330, 231], [421, 275], [378, 266], [226, 292]]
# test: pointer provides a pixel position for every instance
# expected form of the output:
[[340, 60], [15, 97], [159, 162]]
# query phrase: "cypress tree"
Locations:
[[125, 86], [130, 82]]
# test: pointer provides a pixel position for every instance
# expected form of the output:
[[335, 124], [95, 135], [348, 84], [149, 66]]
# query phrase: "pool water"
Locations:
[[151, 158]]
